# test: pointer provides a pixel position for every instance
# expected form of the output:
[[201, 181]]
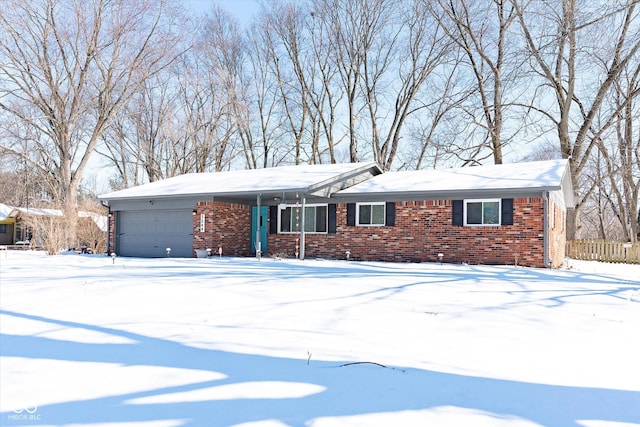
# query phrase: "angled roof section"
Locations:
[[243, 186], [477, 181]]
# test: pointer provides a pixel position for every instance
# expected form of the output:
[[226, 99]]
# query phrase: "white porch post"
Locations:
[[304, 200], [258, 242]]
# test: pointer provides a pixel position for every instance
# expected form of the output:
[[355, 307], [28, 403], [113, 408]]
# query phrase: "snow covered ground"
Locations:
[[239, 342]]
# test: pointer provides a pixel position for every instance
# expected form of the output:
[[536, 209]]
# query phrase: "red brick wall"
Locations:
[[423, 229], [226, 224], [111, 237]]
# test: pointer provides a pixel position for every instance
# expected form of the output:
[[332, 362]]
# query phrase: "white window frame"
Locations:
[[483, 201], [384, 214], [312, 205]]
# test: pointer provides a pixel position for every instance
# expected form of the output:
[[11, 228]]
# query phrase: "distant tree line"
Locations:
[[410, 84]]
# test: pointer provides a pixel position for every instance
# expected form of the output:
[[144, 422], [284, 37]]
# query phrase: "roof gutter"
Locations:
[[391, 196], [233, 197]]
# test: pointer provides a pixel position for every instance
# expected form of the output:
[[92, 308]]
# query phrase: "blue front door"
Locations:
[[259, 223]]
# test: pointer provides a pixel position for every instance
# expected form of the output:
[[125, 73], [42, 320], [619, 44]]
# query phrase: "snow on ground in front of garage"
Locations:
[[272, 343]]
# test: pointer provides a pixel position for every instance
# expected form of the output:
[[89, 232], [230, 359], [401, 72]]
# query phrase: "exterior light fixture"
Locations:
[[168, 252], [194, 212], [440, 257], [283, 203]]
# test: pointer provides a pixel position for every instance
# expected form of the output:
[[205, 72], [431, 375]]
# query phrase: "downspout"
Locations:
[[304, 200], [108, 226], [545, 228]]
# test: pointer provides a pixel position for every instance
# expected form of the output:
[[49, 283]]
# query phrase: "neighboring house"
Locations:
[[498, 214], [7, 225], [16, 229]]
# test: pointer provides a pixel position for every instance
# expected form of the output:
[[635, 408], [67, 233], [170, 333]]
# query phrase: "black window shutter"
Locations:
[[507, 212], [273, 220], [332, 218], [390, 214], [351, 214], [457, 213]]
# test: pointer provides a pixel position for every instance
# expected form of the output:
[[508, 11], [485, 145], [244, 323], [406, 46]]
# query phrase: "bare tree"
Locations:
[[354, 25], [238, 86], [149, 114], [600, 215], [202, 122], [217, 81], [437, 131], [619, 150], [120, 147], [180, 119], [68, 68], [564, 57], [397, 71], [481, 31], [284, 28], [370, 59], [323, 93], [297, 48], [21, 184]]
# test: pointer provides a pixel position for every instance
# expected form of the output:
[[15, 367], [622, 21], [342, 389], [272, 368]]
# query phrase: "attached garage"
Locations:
[[149, 233]]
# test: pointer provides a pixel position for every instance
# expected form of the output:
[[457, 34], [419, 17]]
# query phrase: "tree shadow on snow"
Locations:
[[336, 391]]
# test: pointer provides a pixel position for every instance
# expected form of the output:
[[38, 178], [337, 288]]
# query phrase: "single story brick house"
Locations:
[[497, 214]]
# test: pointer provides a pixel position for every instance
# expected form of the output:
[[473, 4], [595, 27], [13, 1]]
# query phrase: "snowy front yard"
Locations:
[[241, 342]]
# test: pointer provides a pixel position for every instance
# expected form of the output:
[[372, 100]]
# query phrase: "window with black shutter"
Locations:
[[481, 212], [507, 212], [390, 215], [457, 217], [351, 214], [332, 218], [273, 219]]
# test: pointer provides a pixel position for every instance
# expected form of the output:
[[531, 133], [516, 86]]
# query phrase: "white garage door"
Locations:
[[148, 233]]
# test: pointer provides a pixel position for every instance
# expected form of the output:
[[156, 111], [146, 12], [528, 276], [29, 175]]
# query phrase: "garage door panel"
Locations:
[[149, 233]]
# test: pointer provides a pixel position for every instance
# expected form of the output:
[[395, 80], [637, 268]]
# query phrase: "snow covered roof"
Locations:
[[476, 181], [5, 211], [102, 221], [317, 180], [359, 182]]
